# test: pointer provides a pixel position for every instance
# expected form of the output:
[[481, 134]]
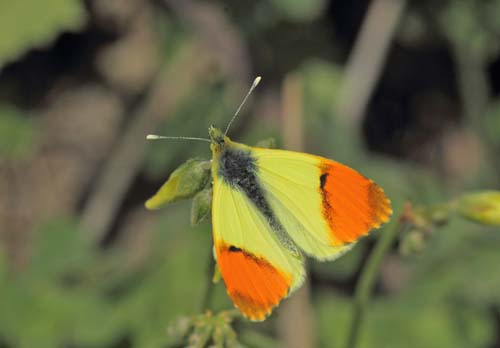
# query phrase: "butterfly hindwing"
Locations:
[[257, 269], [324, 206]]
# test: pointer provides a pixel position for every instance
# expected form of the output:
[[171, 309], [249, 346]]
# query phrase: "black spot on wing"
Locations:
[[322, 180], [234, 249]]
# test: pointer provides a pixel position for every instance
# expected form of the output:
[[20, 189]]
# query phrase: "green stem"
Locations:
[[208, 290], [367, 280]]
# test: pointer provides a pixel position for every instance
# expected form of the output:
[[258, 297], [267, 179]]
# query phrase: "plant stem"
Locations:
[[476, 95], [367, 59], [209, 286], [367, 279]]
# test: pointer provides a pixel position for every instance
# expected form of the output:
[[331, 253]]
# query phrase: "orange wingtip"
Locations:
[[252, 283], [352, 204]]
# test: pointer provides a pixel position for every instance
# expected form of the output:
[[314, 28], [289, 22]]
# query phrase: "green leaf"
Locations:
[[186, 181], [25, 24], [200, 209]]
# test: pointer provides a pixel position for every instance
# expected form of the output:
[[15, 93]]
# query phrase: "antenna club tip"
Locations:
[[152, 137], [257, 80]]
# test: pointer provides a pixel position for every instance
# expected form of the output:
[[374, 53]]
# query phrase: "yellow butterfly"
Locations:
[[270, 206]]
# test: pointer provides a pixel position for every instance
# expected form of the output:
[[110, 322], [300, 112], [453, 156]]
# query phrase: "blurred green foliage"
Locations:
[[473, 26], [25, 24], [299, 10], [71, 293], [492, 123], [17, 134], [206, 105]]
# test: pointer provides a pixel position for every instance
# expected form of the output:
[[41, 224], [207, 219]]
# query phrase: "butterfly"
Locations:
[[271, 206]]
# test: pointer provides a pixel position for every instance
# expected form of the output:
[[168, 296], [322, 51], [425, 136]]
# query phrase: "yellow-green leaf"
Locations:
[[25, 24], [186, 181]]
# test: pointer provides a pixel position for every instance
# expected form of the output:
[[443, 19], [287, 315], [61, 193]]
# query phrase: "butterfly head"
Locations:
[[217, 139]]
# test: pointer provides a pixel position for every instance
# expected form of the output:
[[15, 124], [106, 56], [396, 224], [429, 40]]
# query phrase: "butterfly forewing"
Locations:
[[325, 206]]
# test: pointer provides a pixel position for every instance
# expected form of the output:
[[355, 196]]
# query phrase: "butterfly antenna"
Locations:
[[254, 84], [157, 137]]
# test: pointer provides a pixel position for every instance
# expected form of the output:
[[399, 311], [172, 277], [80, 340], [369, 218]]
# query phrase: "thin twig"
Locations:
[[367, 279], [473, 85], [475, 94], [367, 59]]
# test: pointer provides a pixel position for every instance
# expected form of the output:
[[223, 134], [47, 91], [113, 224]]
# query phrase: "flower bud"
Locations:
[[412, 243], [482, 207]]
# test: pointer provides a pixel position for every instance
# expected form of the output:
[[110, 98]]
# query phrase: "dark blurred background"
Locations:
[[404, 91]]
